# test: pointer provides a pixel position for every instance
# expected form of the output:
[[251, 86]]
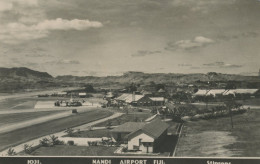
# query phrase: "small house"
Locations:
[[149, 137]]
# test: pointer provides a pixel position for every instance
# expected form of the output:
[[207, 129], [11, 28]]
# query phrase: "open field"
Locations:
[[130, 117], [99, 133], [65, 150], [18, 117], [253, 102], [216, 138], [35, 131]]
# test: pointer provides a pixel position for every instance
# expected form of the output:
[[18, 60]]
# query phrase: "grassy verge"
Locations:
[[65, 150], [131, 117], [216, 137]]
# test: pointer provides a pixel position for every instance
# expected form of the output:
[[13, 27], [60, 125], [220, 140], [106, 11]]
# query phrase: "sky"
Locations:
[[110, 37]]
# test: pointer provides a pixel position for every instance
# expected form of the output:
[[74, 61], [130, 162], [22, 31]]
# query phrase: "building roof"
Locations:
[[157, 98], [128, 127], [161, 90], [203, 92], [215, 91], [146, 92], [129, 97], [153, 129], [82, 94], [240, 91], [62, 93]]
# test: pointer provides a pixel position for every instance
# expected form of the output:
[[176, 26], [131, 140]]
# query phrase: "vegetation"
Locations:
[[25, 134], [11, 152], [241, 141]]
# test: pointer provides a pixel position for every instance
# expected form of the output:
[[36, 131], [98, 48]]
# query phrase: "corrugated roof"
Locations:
[[215, 91], [153, 129], [157, 98], [201, 92], [128, 127], [240, 91], [161, 90], [129, 97]]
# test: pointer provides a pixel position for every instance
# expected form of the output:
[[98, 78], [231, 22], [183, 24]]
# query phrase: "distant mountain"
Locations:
[[20, 79], [140, 77], [22, 72]]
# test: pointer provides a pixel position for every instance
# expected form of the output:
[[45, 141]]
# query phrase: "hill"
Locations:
[[19, 79], [23, 72], [140, 77]]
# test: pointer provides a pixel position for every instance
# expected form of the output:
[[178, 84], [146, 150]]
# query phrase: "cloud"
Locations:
[[63, 24], [201, 5], [144, 53], [67, 61], [222, 65], [197, 42], [250, 34], [17, 32], [5, 6]]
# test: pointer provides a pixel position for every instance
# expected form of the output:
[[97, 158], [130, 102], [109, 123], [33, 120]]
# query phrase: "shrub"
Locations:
[[27, 148], [45, 142], [69, 132], [70, 142], [11, 152], [55, 140]]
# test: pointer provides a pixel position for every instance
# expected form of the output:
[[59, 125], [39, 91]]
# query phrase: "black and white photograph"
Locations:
[[130, 79]]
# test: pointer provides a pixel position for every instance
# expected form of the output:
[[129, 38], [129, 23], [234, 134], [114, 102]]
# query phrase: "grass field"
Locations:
[[131, 117], [65, 150], [18, 117], [25, 134], [99, 133], [216, 138]]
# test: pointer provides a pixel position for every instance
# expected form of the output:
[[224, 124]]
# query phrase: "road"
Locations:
[[35, 142]]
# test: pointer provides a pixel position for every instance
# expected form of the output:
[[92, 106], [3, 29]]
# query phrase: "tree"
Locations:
[[70, 132], [89, 88], [11, 152], [55, 141], [27, 148]]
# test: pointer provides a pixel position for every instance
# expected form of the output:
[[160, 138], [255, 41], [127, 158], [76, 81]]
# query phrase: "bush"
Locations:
[[45, 142], [70, 142], [55, 140], [69, 132], [11, 152], [27, 148]]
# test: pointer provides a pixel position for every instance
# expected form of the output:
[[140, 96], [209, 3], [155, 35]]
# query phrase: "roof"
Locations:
[[129, 127], [146, 92], [240, 91], [82, 94], [157, 98], [161, 90], [62, 93], [215, 91], [153, 129], [129, 97], [203, 92]]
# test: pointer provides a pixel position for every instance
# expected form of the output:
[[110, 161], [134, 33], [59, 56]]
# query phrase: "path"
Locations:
[[35, 142]]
